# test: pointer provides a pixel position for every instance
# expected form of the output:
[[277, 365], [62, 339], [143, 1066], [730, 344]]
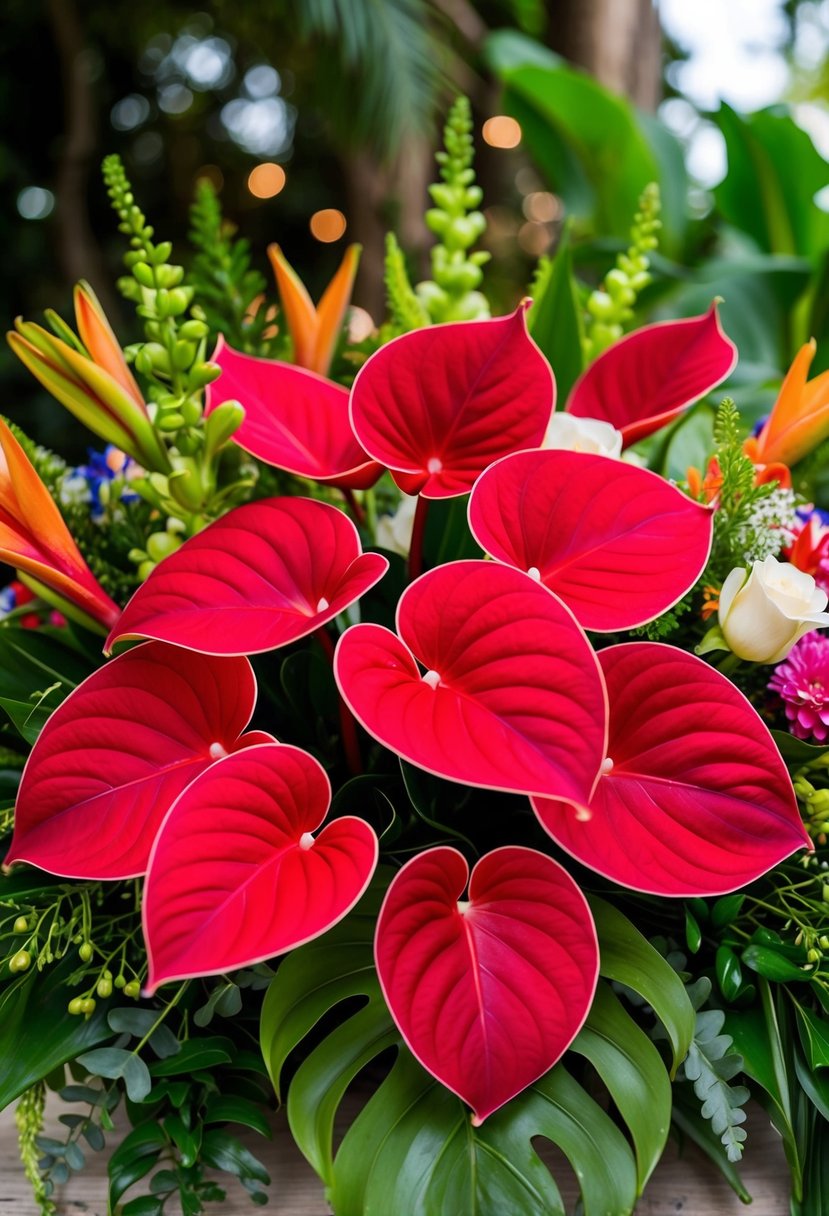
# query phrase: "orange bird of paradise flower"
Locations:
[[314, 329], [35, 540], [799, 419]]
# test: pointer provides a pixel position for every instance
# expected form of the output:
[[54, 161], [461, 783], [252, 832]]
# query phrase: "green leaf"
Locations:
[[632, 1069], [585, 139], [814, 1036], [631, 960], [726, 910], [144, 1205], [195, 1054], [187, 1140], [772, 965], [35, 662], [762, 148], [555, 321], [133, 1159], [693, 933], [711, 1064], [797, 752], [729, 972], [447, 537], [115, 1063], [226, 1153], [227, 1108], [36, 1032]]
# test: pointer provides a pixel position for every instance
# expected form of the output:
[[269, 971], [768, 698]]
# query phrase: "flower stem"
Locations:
[[348, 726], [418, 532], [354, 507]]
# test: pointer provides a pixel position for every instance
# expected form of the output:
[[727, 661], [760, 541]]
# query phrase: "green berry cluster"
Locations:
[[610, 306], [451, 294]]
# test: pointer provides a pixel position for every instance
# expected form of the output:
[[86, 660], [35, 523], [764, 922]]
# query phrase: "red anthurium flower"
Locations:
[[618, 544], [294, 419], [643, 381], [260, 577], [694, 798], [35, 540], [119, 750], [438, 405], [512, 697], [488, 992], [236, 874]]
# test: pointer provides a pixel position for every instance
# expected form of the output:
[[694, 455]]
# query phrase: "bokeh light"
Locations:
[[328, 224], [501, 131], [35, 203], [266, 180]]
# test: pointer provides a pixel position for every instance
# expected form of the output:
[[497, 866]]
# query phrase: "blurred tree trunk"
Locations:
[[617, 41]]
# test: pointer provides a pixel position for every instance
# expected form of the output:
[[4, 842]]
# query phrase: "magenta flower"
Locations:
[[802, 680]]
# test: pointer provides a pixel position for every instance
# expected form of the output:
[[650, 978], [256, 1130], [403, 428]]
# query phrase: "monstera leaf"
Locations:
[[411, 1119]]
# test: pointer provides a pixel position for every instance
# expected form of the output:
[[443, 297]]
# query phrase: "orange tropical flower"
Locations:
[[90, 376], [799, 419], [36, 541], [314, 329]]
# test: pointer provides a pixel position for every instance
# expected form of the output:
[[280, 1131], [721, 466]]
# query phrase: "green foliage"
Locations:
[[452, 292], [381, 63], [588, 143], [762, 150], [747, 523], [711, 1064], [405, 310], [229, 290], [555, 319], [40, 668], [382, 1163], [28, 1117]]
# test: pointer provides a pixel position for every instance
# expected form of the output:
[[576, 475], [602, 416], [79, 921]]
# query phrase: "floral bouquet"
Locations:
[[381, 710]]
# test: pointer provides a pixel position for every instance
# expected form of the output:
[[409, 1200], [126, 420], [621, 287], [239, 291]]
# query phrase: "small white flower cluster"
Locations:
[[768, 528]]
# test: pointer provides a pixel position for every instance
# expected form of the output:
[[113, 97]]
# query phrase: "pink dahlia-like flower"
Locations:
[[802, 680]]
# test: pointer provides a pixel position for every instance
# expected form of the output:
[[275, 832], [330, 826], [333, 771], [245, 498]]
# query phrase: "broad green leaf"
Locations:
[[555, 322], [36, 1031], [226, 1153], [586, 140], [228, 1108], [632, 1069], [762, 149], [796, 752], [629, 959]]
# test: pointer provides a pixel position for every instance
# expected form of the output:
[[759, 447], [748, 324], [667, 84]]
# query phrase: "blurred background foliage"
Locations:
[[317, 121]]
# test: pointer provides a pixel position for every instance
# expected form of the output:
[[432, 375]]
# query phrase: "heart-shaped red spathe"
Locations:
[[618, 544], [697, 800], [260, 577], [512, 698], [437, 405], [488, 993], [237, 876], [294, 419], [114, 756], [643, 381]]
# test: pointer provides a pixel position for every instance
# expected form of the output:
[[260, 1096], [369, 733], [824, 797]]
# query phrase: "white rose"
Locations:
[[762, 616], [583, 435], [394, 532]]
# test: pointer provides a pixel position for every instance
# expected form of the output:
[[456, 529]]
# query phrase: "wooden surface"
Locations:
[[681, 1186]]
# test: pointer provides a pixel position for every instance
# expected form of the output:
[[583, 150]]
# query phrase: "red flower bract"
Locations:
[[119, 750], [294, 419], [513, 697], [618, 544], [260, 577], [640, 383], [697, 800], [438, 405], [236, 875], [489, 993]]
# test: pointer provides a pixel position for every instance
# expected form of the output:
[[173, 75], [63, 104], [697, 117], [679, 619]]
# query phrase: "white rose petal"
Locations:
[[583, 435], [762, 616], [394, 532]]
